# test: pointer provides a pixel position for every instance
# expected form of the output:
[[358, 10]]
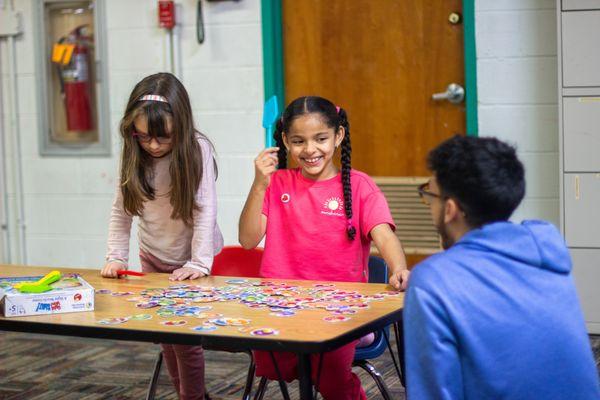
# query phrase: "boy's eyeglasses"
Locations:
[[424, 193], [148, 138]]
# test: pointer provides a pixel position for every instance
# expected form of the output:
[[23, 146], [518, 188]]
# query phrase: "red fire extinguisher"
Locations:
[[75, 80]]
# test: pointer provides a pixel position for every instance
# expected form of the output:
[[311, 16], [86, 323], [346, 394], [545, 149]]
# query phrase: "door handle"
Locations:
[[454, 94]]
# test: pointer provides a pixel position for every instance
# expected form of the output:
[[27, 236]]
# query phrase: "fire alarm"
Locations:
[[166, 14]]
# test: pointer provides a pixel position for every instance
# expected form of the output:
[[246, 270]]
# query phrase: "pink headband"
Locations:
[[153, 97]]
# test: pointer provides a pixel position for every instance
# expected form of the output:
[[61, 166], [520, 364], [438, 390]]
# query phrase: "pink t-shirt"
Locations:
[[306, 227]]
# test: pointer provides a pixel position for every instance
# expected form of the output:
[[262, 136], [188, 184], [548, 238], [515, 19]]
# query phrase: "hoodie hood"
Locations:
[[535, 243]]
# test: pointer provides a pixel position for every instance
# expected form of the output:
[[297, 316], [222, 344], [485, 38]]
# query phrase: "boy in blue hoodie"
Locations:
[[495, 316]]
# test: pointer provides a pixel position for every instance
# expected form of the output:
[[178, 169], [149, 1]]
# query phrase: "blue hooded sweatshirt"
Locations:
[[496, 316]]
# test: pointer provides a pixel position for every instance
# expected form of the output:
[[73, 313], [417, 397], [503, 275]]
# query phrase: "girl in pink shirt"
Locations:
[[167, 180], [319, 223]]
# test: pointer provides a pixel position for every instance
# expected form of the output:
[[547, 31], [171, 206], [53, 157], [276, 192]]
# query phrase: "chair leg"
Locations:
[[262, 387], [282, 384], [155, 375], [249, 378], [284, 390], [368, 367]]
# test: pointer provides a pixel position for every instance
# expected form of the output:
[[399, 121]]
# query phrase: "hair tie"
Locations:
[[153, 97], [337, 109]]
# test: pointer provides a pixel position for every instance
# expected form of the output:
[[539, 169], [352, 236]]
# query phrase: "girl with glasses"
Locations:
[[167, 180]]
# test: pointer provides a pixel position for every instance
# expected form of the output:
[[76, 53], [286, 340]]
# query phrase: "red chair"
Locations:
[[237, 261], [231, 261]]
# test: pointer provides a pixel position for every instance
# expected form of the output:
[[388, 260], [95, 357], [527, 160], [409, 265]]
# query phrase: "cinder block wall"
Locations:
[[517, 89], [67, 200]]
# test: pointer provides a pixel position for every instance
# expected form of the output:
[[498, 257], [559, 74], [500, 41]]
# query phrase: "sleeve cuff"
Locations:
[[118, 260], [200, 268]]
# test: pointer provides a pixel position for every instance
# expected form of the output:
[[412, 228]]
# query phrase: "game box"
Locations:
[[69, 294]]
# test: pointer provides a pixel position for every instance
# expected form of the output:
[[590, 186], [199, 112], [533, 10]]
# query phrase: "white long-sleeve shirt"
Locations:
[[170, 240]]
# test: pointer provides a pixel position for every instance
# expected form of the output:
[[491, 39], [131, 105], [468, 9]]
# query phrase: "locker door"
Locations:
[[582, 210]]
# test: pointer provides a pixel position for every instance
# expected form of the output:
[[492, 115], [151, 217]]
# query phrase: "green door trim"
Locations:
[[470, 55], [273, 73]]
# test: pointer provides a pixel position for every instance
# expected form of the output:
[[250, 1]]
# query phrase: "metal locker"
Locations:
[[580, 5], [582, 209], [586, 272], [580, 55], [581, 129]]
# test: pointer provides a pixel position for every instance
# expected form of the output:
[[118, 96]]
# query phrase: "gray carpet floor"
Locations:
[[43, 367]]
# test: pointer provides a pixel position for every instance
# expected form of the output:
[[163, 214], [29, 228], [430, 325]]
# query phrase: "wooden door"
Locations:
[[381, 60]]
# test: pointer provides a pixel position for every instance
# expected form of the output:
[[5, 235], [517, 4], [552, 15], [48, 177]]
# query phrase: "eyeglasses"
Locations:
[[424, 192], [142, 138]]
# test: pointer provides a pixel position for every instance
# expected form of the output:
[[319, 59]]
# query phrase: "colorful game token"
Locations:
[[208, 315], [360, 306], [140, 317], [113, 321], [180, 286], [336, 318], [237, 321], [147, 304], [323, 285], [343, 311], [122, 293], [237, 281], [135, 299], [204, 328], [376, 297], [283, 313], [208, 299], [264, 332], [390, 293], [176, 322], [230, 321], [201, 309], [165, 313], [103, 291]]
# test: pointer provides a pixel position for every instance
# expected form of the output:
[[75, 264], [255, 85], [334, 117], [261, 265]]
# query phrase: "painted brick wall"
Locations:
[[68, 199], [516, 83]]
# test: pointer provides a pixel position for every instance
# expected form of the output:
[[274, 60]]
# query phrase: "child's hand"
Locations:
[[265, 164], [399, 280], [111, 268], [184, 273]]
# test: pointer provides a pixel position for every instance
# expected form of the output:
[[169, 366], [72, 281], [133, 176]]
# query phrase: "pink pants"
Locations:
[[337, 381], [185, 363]]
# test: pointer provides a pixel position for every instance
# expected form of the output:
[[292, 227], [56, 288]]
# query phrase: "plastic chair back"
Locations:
[[378, 273], [237, 261]]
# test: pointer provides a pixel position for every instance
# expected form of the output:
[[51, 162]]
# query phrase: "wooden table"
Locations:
[[305, 333]]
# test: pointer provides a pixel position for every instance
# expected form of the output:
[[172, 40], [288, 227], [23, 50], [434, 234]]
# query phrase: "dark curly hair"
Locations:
[[483, 175], [334, 117]]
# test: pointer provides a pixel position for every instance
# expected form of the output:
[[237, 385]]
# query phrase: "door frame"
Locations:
[[273, 72]]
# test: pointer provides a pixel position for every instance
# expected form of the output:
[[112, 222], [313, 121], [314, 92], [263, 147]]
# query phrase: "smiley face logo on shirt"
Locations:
[[285, 198]]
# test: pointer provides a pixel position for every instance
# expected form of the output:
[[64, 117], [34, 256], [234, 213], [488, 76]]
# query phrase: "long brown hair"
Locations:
[[186, 154]]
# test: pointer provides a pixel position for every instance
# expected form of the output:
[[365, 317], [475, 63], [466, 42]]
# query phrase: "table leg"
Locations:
[[398, 331], [304, 376]]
